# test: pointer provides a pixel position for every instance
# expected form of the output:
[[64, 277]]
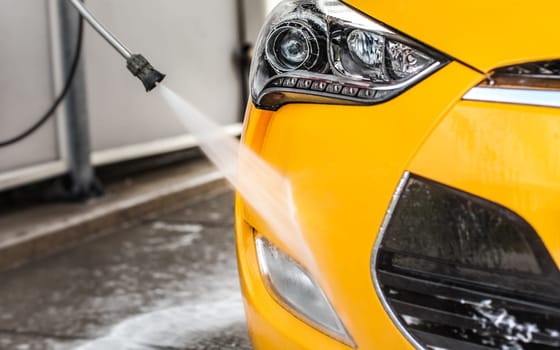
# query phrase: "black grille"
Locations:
[[442, 296]]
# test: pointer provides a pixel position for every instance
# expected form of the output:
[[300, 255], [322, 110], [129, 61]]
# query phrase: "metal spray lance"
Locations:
[[137, 64]]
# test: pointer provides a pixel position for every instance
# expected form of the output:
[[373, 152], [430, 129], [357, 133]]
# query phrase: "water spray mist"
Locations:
[[262, 186]]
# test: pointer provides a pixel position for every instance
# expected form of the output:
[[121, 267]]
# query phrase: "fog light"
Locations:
[[296, 290]]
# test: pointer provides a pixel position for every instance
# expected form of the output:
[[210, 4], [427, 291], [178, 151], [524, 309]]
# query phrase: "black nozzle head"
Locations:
[[139, 66]]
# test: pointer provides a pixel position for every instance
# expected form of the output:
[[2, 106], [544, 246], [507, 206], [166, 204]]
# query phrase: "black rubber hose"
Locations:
[[60, 98]]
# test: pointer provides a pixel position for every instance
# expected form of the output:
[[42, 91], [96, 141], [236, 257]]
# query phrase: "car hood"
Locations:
[[485, 34]]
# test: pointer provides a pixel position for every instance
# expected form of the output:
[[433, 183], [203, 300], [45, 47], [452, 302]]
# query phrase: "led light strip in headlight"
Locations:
[[326, 52], [536, 84]]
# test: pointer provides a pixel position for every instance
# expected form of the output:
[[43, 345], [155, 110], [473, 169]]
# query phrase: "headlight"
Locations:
[[543, 75], [324, 51], [295, 289], [535, 84]]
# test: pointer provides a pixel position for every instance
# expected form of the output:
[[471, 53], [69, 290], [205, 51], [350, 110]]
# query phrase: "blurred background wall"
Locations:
[[199, 44], [269, 4]]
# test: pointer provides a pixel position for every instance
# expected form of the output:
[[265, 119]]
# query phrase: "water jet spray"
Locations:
[[265, 189], [137, 64]]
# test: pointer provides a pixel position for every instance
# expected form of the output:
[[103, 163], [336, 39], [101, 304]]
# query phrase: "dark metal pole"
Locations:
[[243, 54], [82, 181]]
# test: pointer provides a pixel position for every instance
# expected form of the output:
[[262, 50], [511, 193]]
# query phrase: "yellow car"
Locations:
[[421, 140]]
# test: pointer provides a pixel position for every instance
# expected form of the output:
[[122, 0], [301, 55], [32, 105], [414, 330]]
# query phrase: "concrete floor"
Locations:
[[168, 282]]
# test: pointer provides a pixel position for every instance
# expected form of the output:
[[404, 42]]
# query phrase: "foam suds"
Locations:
[[181, 228], [174, 328], [262, 186]]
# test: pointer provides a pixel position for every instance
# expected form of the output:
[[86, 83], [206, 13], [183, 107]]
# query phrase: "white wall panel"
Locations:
[[25, 83], [193, 42], [270, 4]]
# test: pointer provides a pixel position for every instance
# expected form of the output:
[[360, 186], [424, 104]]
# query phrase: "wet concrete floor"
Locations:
[[168, 282]]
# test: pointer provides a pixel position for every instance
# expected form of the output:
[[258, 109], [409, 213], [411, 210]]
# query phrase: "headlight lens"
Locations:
[[324, 51], [534, 84], [541, 75], [297, 291]]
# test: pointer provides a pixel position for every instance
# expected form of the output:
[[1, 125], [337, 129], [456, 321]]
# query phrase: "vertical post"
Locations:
[[82, 181], [243, 55]]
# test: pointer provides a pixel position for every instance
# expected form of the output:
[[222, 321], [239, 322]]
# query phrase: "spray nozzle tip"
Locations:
[[139, 66], [150, 78]]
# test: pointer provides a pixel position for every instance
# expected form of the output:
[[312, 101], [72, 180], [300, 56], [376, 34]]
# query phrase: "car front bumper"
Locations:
[[344, 164]]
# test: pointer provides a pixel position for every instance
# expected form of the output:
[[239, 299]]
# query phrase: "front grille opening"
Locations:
[[458, 272]]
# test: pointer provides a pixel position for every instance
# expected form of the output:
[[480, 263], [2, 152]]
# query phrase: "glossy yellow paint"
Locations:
[[485, 34], [344, 164], [509, 154]]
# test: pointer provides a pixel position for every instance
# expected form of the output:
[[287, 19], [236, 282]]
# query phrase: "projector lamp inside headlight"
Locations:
[[296, 290], [324, 51], [292, 46]]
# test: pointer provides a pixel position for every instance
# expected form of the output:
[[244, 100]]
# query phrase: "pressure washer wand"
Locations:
[[137, 64]]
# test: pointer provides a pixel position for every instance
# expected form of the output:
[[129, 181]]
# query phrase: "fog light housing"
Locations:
[[294, 288]]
